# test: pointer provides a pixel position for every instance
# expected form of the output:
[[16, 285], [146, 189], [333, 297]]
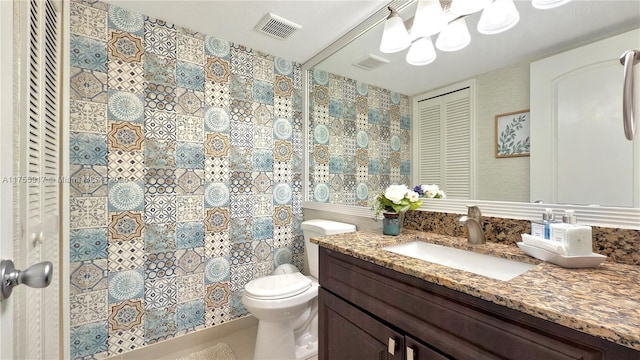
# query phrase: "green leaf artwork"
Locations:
[[513, 135]]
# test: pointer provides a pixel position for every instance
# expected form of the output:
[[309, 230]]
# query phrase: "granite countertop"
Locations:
[[603, 301]]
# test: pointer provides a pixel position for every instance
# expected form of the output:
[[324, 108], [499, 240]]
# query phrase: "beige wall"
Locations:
[[497, 92]]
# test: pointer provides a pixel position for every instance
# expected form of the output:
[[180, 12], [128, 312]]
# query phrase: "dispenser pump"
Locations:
[[569, 217]]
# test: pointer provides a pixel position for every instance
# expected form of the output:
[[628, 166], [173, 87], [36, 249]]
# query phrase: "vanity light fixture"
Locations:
[[430, 19], [548, 4], [395, 36], [499, 16], [466, 7], [421, 52], [454, 37]]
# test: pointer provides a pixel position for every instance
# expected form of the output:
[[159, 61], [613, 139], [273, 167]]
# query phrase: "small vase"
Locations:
[[391, 224]]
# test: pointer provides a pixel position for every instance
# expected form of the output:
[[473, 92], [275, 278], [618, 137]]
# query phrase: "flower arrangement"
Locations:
[[396, 199], [429, 191]]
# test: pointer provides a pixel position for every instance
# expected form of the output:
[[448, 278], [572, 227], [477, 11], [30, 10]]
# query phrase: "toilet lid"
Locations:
[[277, 286]]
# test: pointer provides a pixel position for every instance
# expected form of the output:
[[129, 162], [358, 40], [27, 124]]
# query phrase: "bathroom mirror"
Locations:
[[539, 34]]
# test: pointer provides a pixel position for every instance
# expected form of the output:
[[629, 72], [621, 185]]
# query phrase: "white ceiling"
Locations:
[[539, 33], [322, 21]]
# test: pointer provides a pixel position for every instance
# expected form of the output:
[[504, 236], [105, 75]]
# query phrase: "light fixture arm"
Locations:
[[392, 13]]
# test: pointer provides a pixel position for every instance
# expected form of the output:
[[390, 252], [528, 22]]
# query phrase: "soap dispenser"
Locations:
[[569, 217], [576, 238], [542, 228], [547, 219]]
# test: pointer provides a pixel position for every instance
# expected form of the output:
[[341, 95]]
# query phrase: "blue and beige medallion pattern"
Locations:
[[186, 167], [359, 139]]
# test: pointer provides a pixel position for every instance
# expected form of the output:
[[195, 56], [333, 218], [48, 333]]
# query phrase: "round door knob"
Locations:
[[36, 276]]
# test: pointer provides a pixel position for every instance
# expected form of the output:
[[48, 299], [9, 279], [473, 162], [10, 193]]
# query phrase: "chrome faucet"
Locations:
[[473, 221]]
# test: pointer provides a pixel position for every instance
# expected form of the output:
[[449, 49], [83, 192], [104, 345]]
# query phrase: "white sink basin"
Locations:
[[481, 264]]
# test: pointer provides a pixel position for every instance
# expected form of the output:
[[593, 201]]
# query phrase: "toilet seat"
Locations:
[[274, 287]]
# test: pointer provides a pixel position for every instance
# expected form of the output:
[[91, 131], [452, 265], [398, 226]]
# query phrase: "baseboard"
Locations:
[[195, 341]]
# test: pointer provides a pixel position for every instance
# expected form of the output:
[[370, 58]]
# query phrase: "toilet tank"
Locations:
[[319, 228]]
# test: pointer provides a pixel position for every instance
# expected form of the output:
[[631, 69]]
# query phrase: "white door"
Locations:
[[29, 169], [579, 152], [6, 168]]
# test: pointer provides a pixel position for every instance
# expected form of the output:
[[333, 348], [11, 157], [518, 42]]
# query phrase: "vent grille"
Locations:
[[371, 62], [276, 26]]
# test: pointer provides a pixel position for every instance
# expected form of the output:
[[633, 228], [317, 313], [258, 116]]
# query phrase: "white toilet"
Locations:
[[285, 303]]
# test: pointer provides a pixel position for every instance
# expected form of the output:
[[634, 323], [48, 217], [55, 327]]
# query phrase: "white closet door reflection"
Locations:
[[579, 152], [586, 121]]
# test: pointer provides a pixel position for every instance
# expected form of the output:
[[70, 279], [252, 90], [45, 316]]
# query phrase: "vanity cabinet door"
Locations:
[[415, 350], [346, 333]]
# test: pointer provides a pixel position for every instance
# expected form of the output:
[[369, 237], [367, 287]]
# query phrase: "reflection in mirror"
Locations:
[[499, 66]]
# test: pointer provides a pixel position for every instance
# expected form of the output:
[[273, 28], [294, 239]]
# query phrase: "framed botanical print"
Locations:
[[512, 134]]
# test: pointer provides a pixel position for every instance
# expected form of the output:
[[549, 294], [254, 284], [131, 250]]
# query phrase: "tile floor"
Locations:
[[240, 336], [243, 342]]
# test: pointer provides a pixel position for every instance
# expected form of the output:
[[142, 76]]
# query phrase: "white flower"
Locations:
[[396, 193], [442, 194], [430, 193], [397, 199], [426, 188]]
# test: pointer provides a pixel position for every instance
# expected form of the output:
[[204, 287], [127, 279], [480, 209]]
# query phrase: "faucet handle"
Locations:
[[473, 211]]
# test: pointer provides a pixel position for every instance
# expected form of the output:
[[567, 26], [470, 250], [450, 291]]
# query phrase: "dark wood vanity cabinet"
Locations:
[[363, 307], [351, 334]]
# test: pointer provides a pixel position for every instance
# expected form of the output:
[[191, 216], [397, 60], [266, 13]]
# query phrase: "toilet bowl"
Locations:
[[285, 306], [285, 303]]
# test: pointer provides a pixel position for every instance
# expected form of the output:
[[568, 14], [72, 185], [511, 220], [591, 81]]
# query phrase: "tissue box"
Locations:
[[577, 238]]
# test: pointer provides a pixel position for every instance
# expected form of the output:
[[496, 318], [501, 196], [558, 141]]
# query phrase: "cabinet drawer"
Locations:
[[456, 324]]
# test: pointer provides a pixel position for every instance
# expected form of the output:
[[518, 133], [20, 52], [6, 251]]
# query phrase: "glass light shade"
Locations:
[[500, 16], [464, 7], [429, 19], [548, 4], [395, 36], [421, 52], [454, 37]]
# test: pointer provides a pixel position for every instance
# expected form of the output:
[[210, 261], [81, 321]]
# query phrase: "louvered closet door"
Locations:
[[444, 144], [37, 311], [430, 142]]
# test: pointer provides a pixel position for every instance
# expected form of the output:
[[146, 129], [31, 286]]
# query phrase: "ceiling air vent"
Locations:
[[371, 62], [277, 27]]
